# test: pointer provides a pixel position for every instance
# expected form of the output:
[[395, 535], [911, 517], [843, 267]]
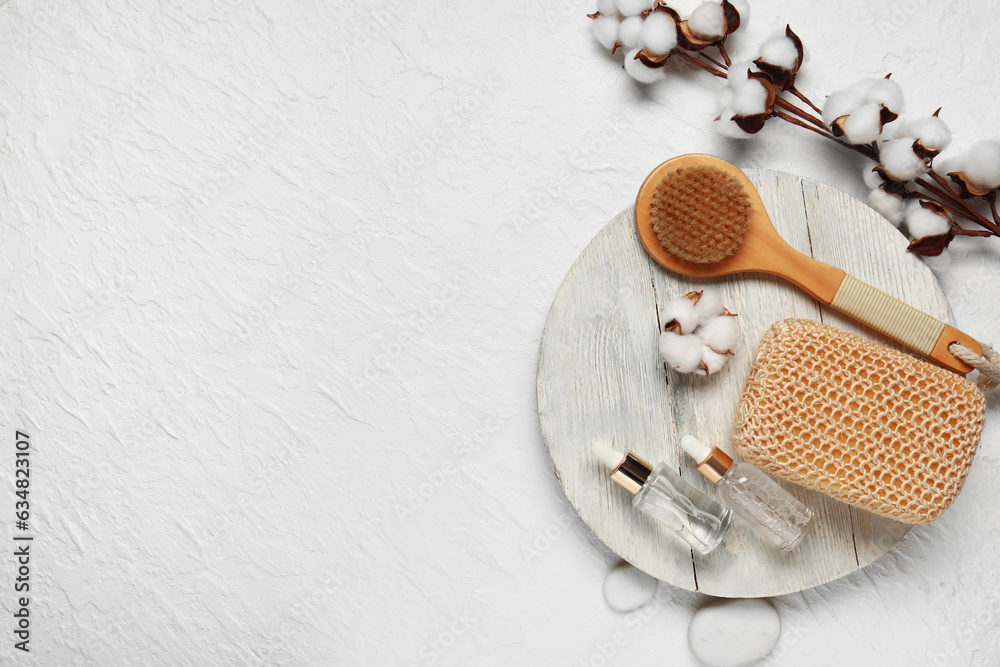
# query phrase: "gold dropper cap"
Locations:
[[713, 463], [627, 470]]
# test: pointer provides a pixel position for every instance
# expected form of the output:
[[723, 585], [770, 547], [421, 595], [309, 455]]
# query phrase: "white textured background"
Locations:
[[270, 269]]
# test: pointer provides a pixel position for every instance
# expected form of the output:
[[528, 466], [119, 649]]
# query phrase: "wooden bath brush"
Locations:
[[700, 216]]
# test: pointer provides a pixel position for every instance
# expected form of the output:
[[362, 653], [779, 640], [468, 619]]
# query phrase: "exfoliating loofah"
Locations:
[[700, 214], [860, 422]]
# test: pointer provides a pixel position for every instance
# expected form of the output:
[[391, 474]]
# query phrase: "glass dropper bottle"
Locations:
[[759, 500], [661, 493]]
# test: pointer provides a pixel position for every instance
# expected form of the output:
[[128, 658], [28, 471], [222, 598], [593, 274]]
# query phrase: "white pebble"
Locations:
[[633, 7], [709, 305], [864, 125], [639, 71], [887, 93], [605, 30], [630, 32], [734, 633], [933, 132], [899, 160], [779, 50], [682, 353], [712, 360], [683, 311], [841, 103], [607, 7], [721, 333], [922, 222], [708, 21], [981, 165], [659, 34], [892, 207], [627, 588]]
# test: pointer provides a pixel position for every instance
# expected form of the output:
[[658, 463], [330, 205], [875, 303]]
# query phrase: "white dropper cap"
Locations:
[[696, 449], [606, 454]]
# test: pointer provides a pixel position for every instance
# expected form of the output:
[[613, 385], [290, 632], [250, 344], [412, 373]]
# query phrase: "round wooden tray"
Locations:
[[599, 377]]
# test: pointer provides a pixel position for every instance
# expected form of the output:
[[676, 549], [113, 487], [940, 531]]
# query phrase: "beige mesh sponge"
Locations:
[[860, 422]]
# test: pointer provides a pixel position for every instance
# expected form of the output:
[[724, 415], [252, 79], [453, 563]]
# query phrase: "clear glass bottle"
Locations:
[[661, 493], [758, 499]]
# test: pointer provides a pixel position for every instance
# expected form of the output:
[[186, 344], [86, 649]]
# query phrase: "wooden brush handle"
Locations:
[[903, 322]]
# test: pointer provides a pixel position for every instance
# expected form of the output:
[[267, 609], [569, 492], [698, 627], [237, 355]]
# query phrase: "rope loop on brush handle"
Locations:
[[988, 364]]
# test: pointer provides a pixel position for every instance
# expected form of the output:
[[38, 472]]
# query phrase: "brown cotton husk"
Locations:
[[966, 189], [781, 77], [651, 60]]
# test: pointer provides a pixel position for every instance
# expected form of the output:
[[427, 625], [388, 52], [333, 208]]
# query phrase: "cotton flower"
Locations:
[[899, 162], [864, 125], [779, 50], [891, 206], [605, 30], [607, 7], [633, 7], [980, 172], [639, 70], [745, 102], [708, 21], [885, 94], [720, 333], [682, 353], [932, 134], [699, 334], [630, 32], [781, 57], [659, 34], [680, 316], [922, 222]]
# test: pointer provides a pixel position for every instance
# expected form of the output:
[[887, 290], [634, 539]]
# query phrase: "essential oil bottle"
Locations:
[[755, 497], [662, 494]]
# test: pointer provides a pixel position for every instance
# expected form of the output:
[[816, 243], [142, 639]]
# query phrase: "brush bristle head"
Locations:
[[700, 214]]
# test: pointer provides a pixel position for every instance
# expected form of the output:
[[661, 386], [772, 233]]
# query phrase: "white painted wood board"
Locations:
[[599, 377]]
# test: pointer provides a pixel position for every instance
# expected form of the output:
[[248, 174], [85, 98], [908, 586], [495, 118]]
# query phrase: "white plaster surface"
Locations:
[[273, 268]]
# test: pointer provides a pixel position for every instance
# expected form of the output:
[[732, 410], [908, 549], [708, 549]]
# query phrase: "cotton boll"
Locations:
[[841, 103], [725, 125], [708, 21], [639, 71], [899, 160], [725, 98], [605, 29], [721, 334], [932, 132], [887, 93], [709, 306], [712, 360], [892, 207], [921, 222], [683, 312], [682, 353], [982, 165], [630, 32], [659, 34], [749, 97], [864, 125], [739, 71], [607, 7], [633, 7], [779, 50]]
